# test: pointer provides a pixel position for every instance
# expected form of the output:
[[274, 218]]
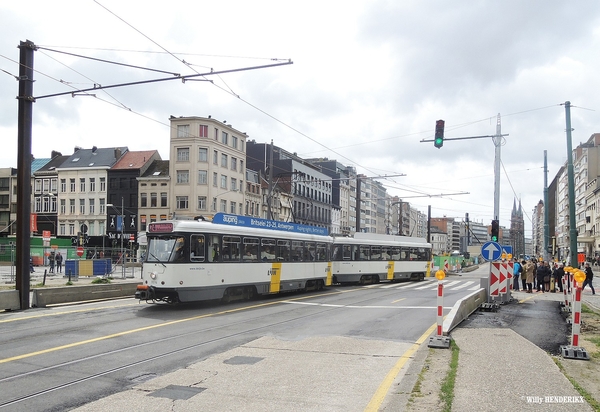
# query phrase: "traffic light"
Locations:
[[439, 134], [495, 230]]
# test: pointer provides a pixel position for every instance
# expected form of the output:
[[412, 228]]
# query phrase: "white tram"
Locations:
[[233, 257], [370, 258]]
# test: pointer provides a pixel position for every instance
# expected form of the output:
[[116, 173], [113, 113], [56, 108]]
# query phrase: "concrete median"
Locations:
[[462, 309], [9, 300], [67, 294]]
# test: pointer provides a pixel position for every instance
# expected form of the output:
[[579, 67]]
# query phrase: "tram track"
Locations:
[[53, 388]]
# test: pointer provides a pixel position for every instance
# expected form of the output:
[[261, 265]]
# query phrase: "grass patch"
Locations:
[[447, 388], [586, 309], [101, 280], [586, 395], [416, 392]]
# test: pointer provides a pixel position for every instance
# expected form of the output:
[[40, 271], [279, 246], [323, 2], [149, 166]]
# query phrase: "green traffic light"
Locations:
[[494, 239]]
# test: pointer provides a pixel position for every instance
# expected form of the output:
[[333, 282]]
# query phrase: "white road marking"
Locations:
[[329, 305]]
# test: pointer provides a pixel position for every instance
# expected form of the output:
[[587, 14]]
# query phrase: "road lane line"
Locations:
[[384, 387], [159, 325], [398, 300]]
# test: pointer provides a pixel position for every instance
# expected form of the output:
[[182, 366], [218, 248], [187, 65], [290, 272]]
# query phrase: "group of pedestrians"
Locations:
[[539, 276]]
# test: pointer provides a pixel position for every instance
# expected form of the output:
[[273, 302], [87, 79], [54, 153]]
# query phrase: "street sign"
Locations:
[[80, 251], [491, 251], [507, 249]]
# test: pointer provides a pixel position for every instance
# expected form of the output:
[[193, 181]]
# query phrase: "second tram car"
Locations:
[[370, 258]]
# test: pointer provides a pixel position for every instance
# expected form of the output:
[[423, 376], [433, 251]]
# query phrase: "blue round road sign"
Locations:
[[491, 251]]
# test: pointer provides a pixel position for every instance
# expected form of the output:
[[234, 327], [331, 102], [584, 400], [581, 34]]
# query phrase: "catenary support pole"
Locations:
[[24, 135]]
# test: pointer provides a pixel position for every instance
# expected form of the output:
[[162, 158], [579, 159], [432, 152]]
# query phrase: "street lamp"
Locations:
[[122, 216]]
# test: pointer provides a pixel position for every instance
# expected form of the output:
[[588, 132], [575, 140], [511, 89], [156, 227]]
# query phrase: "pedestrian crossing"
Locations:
[[430, 285]]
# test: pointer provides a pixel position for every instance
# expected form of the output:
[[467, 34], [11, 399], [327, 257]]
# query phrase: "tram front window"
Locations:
[[165, 249]]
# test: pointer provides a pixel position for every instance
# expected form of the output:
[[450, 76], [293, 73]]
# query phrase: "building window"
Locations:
[[216, 134], [63, 207], [223, 205], [241, 166], [183, 154], [92, 184], [203, 131], [183, 176], [143, 223], [233, 163], [92, 206], [202, 177], [103, 184], [183, 130], [82, 206], [72, 206], [203, 154], [38, 185], [234, 142], [102, 206], [201, 202], [233, 184], [163, 199], [82, 185], [223, 182], [63, 185], [224, 139], [223, 160], [215, 177], [72, 185], [232, 207], [215, 157], [143, 200], [181, 202], [153, 199], [71, 229]]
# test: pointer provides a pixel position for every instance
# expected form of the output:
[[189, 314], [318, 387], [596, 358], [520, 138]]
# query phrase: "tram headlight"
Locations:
[[153, 275]]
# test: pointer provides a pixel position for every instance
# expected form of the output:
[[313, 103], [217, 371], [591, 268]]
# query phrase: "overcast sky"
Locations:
[[368, 81]]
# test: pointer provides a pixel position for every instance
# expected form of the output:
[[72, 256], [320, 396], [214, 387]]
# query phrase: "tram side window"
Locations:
[[395, 252], [310, 251], [321, 252], [297, 247], [347, 253], [386, 253], [283, 250], [197, 248], [267, 250], [231, 248], [250, 249], [213, 248], [404, 254], [413, 255], [364, 252], [376, 253], [336, 255]]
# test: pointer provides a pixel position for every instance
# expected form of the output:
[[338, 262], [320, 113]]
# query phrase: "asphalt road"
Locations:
[[60, 358]]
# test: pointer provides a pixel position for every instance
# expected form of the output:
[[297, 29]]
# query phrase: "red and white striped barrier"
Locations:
[[439, 340], [440, 308], [576, 327]]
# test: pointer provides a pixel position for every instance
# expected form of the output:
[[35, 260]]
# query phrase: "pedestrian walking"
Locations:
[[51, 261], [59, 260], [523, 276], [529, 269], [589, 276], [517, 269], [558, 274]]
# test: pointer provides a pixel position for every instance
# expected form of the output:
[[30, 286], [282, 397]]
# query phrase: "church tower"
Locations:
[[517, 230]]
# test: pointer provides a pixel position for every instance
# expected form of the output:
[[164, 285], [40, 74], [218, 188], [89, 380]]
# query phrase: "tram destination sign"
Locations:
[[255, 222]]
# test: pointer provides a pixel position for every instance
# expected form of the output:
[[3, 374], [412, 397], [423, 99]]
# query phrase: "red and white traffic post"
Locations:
[[439, 340], [574, 351]]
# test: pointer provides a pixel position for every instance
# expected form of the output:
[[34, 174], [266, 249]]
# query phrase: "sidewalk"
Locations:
[[501, 370]]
